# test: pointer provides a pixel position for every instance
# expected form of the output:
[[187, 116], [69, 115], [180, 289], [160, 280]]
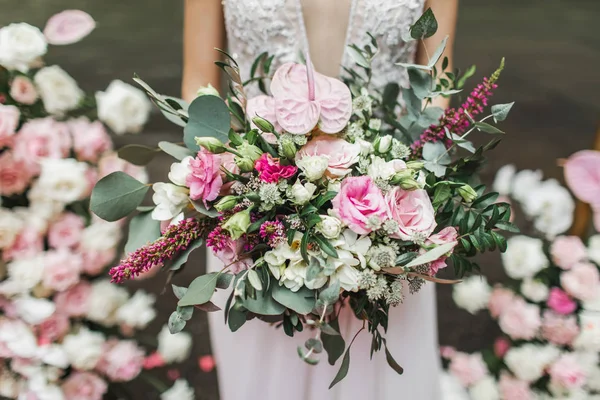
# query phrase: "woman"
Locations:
[[259, 362]]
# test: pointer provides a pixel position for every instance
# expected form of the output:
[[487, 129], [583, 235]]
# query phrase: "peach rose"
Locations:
[[66, 231], [413, 211], [23, 91], [42, 138], [14, 175], [75, 301], [341, 155], [90, 139], [84, 386], [121, 361]]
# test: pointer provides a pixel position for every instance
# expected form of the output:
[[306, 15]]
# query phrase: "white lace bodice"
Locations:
[[277, 26]]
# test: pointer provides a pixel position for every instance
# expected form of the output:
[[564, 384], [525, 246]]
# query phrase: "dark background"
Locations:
[[552, 50]]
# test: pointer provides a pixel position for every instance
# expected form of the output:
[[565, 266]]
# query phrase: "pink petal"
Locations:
[[68, 27], [582, 173], [264, 107], [336, 106], [596, 209], [296, 115], [290, 80]]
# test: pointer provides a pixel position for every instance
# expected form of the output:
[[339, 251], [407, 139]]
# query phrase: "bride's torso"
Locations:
[[288, 28]]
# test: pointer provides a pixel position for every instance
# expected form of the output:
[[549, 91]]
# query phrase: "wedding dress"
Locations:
[[259, 361]]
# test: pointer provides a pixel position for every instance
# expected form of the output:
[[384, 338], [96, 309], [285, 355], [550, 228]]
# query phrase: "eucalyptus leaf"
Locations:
[[420, 82], [343, 371], [313, 270], [426, 26], [255, 280], [173, 116], [186, 313], [236, 319], [432, 255], [224, 280], [208, 117], [176, 323], [208, 307], [200, 290], [391, 362], [142, 230], [137, 154], [183, 257], [117, 195], [436, 152], [435, 57], [331, 294], [358, 57], [487, 128], [151, 92], [417, 66], [314, 344], [179, 291], [199, 206], [500, 111], [175, 151], [264, 304], [333, 343], [302, 301]]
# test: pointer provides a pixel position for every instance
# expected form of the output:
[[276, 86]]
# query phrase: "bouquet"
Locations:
[[549, 312], [317, 195], [65, 331]]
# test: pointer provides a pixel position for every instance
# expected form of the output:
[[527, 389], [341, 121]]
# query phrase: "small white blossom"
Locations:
[[330, 227], [375, 125], [378, 290], [395, 296], [174, 347], [399, 150], [181, 390], [313, 167], [504, 180], [301, 194], [524, 257], [381, 256], [472, 294]]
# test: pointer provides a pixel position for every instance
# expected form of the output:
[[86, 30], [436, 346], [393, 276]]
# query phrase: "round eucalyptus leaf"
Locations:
[[117, 195]]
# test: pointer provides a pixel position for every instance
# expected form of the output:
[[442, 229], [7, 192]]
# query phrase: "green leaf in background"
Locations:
[[435, 57], [417, 66], [431, 255], [436, 152], [148, 89], [390, 95], [487, 128], [175, 151], [358, 57], [420, 82], [116, 196], [200, 290], [331, 294], [208, 307], [343, 371], [302, 301], [176, 322], [507, 226], [390, 360], [137, 154], [463, 79], [142, 230], [183, 257], [224, 280], [209, 117], [333, 342], [426, 26], [172, 114], [405, 258], [500, 111], [263, 304]]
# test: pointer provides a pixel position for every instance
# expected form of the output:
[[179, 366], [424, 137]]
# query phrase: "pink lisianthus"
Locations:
[[84, 386], [468, 368], [66, 231], [15, 175], [514, 389], [74, 302], [271, 171], [23, 91], [500, 299], [559, 329], [122, 360], [413, 211], [54, 328], [560, 301], [90, 139], [205, 180], [360, 204], [501, 347], [341, 155], [520, 320], [230, 253], [42, 138], [9, 120], [567, 251], [61, 269], [445, 236], [68, 27], [582, 281], [28, 243], [566, 373]]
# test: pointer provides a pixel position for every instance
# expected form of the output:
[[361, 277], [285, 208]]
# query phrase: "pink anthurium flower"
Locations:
[[582, 173], [264, 107], [68, 27]]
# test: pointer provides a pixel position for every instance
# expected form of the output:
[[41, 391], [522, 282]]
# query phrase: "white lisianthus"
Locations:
[[138, 311], [294, 275], [529, 361], [33, 310], [313, 166], [330, 227], [504, 180], [366, 147], [84, 348], [348, 277], [485, 389], [123, 107], [180, 170], [100, 236], [23, 275], [523, 182], [524, 257], [551, 206], [589, 337], [534, 290], [207, 91], [63, 180], [105, 299], [174, 347], [181, 390], [301, 194], [10, 226], [358, 246], [472, 294], [594, 249], [21, 45], [58, 90], [170, 200], [18, 338]]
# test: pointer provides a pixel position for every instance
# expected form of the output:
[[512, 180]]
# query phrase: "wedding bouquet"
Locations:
[[550, 311], [65, 330], [318, 195]]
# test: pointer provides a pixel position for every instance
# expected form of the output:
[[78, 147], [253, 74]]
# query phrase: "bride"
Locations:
[[258, 362]]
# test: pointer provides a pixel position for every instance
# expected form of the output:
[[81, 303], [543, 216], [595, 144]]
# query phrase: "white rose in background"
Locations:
[[123, 108], [504, 180], [105, 299], [529, 361], [181, 390], [23, 275], [589, 337], [58, 90], [485, 389], [17, 338], [472, 294], [20, 46], [170, 200], [101, 236], [593, 381], [174, 347], [10, 226], [594, 249], [9, 120], [524, 257], [63, 180], [33, 310], [534, 290], [551, 206], [524, 182], [138, 311], [84, 348]]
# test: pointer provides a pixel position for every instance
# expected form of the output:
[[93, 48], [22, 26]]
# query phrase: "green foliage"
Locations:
[[333, 342], [175, 151], [116, 196], [208, 117], [426, 26], [263, 303], [182, 258], [302, 301], [200, 290], [137, 154], [500, 111], [142, 230]]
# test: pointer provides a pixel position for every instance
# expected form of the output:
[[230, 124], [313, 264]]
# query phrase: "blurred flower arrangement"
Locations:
[[65, 331], [550, 312]]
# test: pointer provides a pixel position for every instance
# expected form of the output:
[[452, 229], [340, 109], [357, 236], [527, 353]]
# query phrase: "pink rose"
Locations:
[[15, 176], [154, 360], [561, 302], [42, 138], [445, 236], [567, 251], [230, 254], [205, 179], [69, 26], [558, 329], [96, 261], [264, 107], [360, 204], [413, 211], [514, 389], [122, 360], [90, 139], [501, 347], [341, 155], [582, 281], [54, 328], [28, 243], [9, 120], [566, 373], [74, 302], [271, 171], [61, 269], [66, 231], [520, 320], [84, 386], [206, 363], [468, 368], [500, 299], [23, 91], [447, 352]]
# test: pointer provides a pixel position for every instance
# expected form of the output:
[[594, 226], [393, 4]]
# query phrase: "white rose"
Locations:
[[100, 235], [33, 310], [174, 347], [139, 310], [366, 147], [181, 390], [524, 182], [348, 277], [10, 226], [170, 200], [41, 207], [381, 169], [63, 180], [207, 91], [472, 294], [18, 338], [485, 389], [385, 143], [524, 257], [593, 249], [551, 206], [593, 381], [451, 388], [53, 354], [39, 388], [504, 179], [534, 290], [301, 194], [31, 219], [179, 171], [594, 304], [84, 348], [529, 361], [589, 337], [58, 90], [21, 45], [23, 275], [123, 108], [105, 299], [330, 227], [313, 166]]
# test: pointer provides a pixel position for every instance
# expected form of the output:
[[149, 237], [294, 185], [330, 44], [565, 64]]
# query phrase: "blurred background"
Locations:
[[552, 50]]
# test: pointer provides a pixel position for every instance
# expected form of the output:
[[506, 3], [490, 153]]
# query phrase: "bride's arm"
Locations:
[[445, 12], [203, 30]]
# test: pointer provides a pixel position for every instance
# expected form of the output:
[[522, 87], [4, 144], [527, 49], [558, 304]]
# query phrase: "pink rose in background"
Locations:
[[95, 261], [23, 91], [84, 386], [567, 373], [66, 231], [264, 107], [14, 175], [271, 171], [110, 162], [205, 180], [230, 255], [69, 26], [28, 243], [582, 173], [54, 328], [559, 329], [500, 299], [582, 281], [514, 389], [445, 236], [61, 269], [566, 251], [42, 138], [9, 120], [413, 211], [447, 352], [206, 363], [90, 139], [501, 347], [360, 204], [75, 301], [341, 155], [468, 368], [154, 360], [520, 320], [561, 302], [122, 360]]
